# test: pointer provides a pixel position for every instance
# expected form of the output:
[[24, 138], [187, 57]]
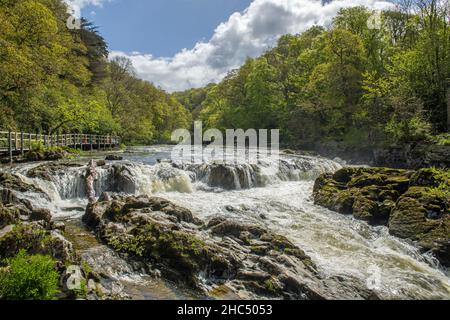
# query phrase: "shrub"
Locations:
[[442, 139], [411, 130], [29, 277]]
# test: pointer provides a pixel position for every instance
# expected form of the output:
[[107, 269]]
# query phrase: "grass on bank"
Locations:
[[29, 277]]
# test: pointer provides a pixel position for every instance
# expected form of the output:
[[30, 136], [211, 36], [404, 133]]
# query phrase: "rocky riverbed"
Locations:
[[156, 230]]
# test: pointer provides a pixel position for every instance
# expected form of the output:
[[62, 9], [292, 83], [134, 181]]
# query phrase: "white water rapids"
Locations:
[[278, 199]]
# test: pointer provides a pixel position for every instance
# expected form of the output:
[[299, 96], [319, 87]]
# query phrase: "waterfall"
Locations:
[[266, 172], [273, 193]]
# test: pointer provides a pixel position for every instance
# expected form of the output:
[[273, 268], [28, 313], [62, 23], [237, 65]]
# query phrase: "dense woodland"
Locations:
[[363, 82], [53, 79], [356, 83]]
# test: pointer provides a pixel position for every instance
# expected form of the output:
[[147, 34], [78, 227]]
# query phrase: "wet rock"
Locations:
[[13, 182], [424, 216], [104, 197], [154, 237], [35, 239], [47, 170], [60, 226], [8, 216], [223, 177], [41, 214], [362, 192], [222, 252], [231, 177], [233, 228], [113, 157], [90, 176], [413, 204], [123, 179], [415, 156], [101, 163]]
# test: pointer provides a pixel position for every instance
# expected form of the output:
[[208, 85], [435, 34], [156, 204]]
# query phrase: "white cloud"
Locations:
[[77, 5], [246, 34]]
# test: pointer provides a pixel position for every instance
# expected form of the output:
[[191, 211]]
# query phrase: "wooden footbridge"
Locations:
[[17, 143]]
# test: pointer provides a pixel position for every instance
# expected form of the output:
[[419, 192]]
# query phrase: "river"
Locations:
[[279, 200]]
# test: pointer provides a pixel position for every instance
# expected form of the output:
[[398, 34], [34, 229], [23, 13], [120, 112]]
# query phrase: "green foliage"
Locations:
[[53, 79], [352, 84], [414, 129], [28, 277], [442, 181], [442, 139]]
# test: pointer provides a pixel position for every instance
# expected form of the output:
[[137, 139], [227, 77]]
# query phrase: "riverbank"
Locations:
[[401, 156], [414, 205], [214, 231]]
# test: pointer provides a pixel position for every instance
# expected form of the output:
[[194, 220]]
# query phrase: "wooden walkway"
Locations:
[[14, 143]]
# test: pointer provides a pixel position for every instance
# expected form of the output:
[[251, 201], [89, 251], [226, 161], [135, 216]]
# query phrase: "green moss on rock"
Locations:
[[414, 204]]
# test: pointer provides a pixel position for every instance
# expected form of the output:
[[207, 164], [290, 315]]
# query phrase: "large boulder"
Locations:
[[8, 216], [47, 170], [50, 154], [113, 157], [12, 190], [123, 179], [367, 193], [223, 254], [423, 213], [14, 182], [413, 204], [35, 239]]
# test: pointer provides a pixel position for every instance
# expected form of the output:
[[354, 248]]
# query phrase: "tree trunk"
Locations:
[[448, 109]]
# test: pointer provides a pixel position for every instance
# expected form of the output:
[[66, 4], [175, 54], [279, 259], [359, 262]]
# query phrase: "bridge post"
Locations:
[[90, 143], [30, 145], [15, 141], [10, 147], [22, 151]]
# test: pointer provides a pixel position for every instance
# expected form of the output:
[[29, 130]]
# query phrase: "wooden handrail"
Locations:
[[14, 142]]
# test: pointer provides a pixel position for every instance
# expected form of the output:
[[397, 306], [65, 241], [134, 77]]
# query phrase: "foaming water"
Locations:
[[274, 194], [339, 245]]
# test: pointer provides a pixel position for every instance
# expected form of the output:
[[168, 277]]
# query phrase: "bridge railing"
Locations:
[[12, 142]]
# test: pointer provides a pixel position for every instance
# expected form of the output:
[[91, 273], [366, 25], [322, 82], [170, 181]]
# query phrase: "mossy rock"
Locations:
[[8, 216], [414, 204], [345, 175], [148, 230], [423, 216], [152, 233], [430, 177], [49, 154], [47, 170], [35, 240], [13, 182]]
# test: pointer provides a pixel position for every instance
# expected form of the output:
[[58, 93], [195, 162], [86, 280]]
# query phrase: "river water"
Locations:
[[278, 198]]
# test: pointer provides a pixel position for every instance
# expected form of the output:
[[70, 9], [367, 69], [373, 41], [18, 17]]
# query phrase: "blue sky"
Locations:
[[182, 44], [160, 27]]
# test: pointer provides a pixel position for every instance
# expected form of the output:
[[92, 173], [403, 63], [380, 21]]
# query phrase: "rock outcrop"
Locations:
[[25, 227], [221, 255], [413, 156], [413, 204], [50, 154], [113, 157]]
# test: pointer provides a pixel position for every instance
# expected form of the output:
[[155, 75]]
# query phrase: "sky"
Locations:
[[182, 44]]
